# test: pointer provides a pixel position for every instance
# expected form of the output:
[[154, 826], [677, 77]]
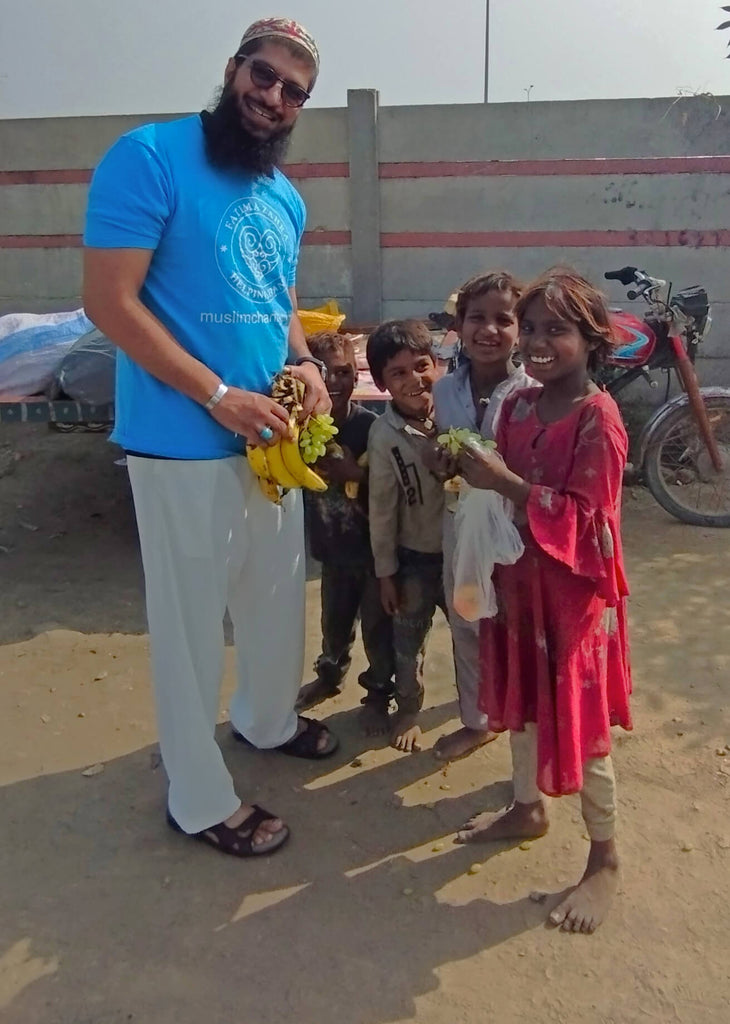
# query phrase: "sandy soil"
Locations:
[[371, 914]]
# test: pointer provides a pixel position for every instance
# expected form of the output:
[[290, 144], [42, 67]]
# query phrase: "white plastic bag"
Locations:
[[485, 537]]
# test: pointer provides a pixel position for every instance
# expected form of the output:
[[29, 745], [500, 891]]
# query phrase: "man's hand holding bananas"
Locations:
[[283, 464]]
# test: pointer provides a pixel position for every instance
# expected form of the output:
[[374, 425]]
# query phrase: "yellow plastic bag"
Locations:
[[323, 318]]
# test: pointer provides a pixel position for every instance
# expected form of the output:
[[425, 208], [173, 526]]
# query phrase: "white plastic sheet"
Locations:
[[31, 347]]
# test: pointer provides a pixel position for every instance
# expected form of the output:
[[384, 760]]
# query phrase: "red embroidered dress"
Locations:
[[557, 651]]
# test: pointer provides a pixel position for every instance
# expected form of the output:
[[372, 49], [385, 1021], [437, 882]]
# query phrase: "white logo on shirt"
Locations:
[[251, 245]]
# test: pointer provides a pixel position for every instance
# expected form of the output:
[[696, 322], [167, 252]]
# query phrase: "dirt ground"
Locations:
[[371, 914]]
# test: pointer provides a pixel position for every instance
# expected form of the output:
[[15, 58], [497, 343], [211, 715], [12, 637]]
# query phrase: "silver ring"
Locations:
[[266, 433]]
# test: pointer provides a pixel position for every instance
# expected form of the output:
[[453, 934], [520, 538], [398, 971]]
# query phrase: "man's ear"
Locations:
[[230, 71]]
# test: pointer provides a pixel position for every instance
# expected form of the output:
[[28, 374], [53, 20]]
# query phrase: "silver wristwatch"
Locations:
[[317, 362]]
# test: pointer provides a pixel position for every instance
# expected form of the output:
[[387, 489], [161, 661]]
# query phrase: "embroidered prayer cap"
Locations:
[[282, 28]]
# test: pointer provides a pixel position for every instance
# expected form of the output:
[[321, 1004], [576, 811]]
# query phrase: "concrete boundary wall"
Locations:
[[406, 202]]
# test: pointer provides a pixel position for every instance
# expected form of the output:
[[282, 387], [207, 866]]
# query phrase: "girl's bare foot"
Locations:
[[406, 734], [520, 821], [314, 693], [374, 719], [587, 905], [266, 830], [460, 743]]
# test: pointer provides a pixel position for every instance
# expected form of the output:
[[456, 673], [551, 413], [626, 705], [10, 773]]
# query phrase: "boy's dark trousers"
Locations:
[[420, 592], [350, 593]]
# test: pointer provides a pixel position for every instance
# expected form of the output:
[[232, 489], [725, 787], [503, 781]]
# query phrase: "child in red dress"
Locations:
[[555, 667]]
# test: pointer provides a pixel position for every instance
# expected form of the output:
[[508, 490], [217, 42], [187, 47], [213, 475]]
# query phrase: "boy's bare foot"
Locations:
[[460, 743], [314, 693], [374, 719], [405, 733], [520, 821], [587, 905]]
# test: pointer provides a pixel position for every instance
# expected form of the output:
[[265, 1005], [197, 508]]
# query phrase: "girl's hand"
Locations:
[[485, 469], [482, 468], [389, 594]]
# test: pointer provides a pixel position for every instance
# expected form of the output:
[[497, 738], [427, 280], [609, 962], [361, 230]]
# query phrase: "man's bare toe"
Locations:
[[267, 830]]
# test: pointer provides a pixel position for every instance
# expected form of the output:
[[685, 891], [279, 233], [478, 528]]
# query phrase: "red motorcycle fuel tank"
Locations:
[[636, 340]]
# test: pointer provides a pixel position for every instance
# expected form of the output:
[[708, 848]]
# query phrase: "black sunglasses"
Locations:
[[264, 76]]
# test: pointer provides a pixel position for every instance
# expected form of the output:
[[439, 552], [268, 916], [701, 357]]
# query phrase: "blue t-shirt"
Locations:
[[225, 255]]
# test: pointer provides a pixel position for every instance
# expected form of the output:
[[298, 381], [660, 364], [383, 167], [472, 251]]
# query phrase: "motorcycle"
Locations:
[[683, 451]]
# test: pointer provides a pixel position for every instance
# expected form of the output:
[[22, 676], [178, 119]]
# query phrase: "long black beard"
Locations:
[[231, 146]]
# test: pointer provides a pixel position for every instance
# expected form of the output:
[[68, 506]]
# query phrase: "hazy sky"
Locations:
[[64, 57]]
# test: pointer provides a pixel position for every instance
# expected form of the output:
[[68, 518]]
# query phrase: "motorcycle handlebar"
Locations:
[[626, 275]]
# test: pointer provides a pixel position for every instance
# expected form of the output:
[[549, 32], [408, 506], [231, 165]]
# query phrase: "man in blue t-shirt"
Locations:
[[192, 240]]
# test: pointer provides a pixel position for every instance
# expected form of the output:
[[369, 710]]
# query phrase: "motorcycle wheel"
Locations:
[[679, 472]]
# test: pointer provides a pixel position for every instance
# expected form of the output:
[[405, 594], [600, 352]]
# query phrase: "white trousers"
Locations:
[[465, 638], [597, 798], [211, 541]]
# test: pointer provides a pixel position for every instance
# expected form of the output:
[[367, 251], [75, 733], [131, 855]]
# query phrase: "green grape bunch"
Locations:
[[457, 438], [315, 436]]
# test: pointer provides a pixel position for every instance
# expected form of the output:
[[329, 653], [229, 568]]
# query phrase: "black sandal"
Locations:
[[305, 743], [238, 841]]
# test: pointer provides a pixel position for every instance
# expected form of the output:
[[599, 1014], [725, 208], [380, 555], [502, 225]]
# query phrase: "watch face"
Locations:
[[317, 362]]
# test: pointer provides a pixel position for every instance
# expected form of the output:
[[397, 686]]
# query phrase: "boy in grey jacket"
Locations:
[[406, 509]]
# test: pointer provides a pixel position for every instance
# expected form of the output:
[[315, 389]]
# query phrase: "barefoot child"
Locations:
[[339, 538], [555, 668], [406, 507], [471, 397]]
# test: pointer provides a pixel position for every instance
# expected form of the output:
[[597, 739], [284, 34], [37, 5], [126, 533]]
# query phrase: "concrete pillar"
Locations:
[[367, 276]]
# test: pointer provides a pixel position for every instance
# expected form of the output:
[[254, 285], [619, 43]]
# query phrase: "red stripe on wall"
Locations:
[[82, 177], [717, 238], [67, 177], [307, 170], [75, 241], [567, 167], [40, 241], [446, 169], [552, 239], [326, 238]]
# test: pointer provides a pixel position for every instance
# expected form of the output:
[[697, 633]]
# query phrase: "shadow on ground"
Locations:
[[125, 909]]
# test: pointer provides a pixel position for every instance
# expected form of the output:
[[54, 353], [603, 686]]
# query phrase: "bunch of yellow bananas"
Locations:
[[280, 466]]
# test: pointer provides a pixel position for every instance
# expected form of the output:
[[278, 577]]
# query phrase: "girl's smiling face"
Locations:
[[551, 347], [489, 329]]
